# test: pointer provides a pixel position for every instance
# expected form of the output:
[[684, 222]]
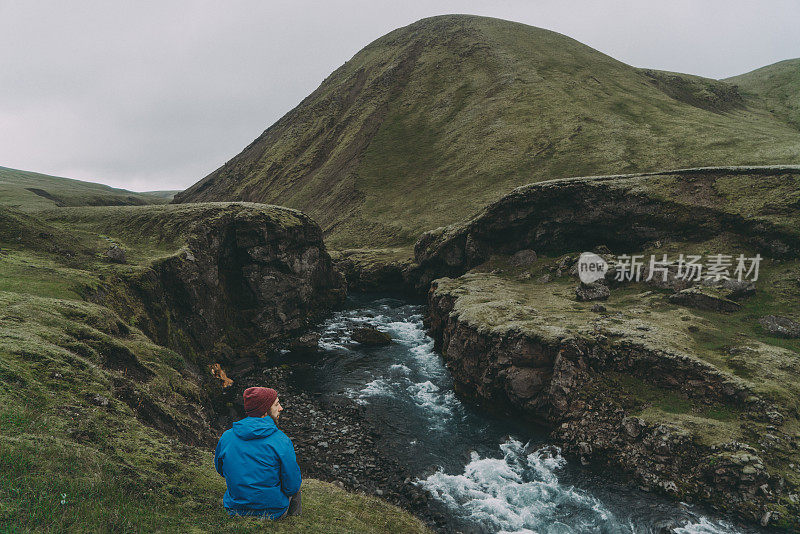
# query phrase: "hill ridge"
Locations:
[[30, 190]]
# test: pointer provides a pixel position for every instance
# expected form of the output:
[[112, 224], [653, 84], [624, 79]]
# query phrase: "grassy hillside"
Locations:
[[429, 123], [28, 191], [101, 429], [778, 85]]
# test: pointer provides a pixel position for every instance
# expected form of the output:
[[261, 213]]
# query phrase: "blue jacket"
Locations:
[[259, 466]]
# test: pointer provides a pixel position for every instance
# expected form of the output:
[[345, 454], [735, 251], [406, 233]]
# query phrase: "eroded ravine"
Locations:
[[486, 474]]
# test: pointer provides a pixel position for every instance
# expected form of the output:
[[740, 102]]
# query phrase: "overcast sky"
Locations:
[[155, 95]]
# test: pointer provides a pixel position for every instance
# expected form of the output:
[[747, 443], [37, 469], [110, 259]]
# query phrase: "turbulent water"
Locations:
[[487, 475]]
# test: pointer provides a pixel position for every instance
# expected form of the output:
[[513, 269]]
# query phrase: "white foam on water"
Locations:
[[399, 370], [430, 398], [437, 403], [407, 333], [334, 334], [336, 331], [332, 344], [519, 494], [706, 526], [376, 388], [427, 360]]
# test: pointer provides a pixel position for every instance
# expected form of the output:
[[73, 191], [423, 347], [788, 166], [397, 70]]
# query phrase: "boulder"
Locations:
[[523, 258], [780, 326], [523, 383], [633, 426], [99, 400], [115, 254], [593, 291], [567, 264], [308, 342], [665, 277], [731, 288], [694, 297], [371, 337]]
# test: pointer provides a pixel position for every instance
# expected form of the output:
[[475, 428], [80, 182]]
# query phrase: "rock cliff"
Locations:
[[244, 275], [616, 394]]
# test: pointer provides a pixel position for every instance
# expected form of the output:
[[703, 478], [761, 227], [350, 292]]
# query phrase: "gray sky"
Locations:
[[155, 95]]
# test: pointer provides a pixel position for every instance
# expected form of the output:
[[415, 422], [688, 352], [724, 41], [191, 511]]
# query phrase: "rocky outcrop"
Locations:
[[593, 291], [375, 270], [566, 382], [703, 300], [777, 325], [115, 254], [523, 258], [624, 212], [491, 366], [247, 275]]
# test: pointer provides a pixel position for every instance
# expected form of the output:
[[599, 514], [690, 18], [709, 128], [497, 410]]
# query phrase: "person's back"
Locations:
[[258, 462]]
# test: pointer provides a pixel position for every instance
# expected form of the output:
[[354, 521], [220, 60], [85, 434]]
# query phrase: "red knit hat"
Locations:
[[258, 401]]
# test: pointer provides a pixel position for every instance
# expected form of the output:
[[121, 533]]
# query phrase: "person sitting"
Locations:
[[258, 461]]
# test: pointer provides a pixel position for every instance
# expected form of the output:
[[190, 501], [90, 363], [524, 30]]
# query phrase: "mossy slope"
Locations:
[[778, 85]]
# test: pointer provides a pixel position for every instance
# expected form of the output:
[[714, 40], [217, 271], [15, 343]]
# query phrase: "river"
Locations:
[[487, 475]]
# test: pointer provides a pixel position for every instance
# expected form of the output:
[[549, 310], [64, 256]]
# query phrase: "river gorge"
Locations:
[[484, 473]]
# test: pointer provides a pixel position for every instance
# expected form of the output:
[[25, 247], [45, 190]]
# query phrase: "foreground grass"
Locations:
[[70, 463], [54, 485]]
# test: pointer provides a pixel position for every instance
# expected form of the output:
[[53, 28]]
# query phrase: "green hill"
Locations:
[[778, 85], [26, 191], [431, 122]]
